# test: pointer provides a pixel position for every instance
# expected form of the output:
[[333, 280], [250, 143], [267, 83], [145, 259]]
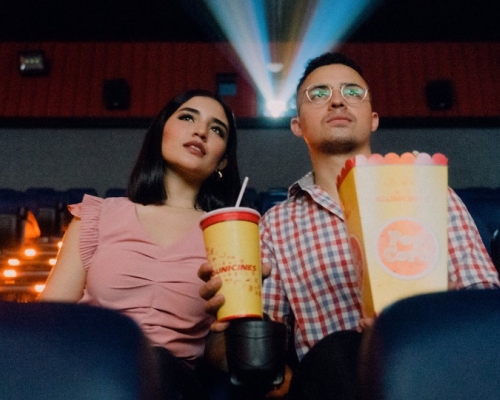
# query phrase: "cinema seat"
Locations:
[[495, 249], [62, 351], [116, 192], [272, 197], [49, 209], [483, 204], [75, 195], [441, 346]]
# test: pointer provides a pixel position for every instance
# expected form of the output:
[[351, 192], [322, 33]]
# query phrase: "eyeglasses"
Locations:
[[320, 93]]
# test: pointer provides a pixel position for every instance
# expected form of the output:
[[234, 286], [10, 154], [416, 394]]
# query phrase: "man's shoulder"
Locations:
[[280, 213], [278, 208], [288, 197]]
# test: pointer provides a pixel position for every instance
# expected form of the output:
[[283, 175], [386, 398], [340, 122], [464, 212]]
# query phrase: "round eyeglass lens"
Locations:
[[319, 94], [353, 93]]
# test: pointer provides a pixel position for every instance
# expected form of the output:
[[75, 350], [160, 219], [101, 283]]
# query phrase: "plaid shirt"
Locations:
[[313, 276]]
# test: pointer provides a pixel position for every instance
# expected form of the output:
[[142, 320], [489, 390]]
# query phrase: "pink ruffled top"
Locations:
[[156, 286]]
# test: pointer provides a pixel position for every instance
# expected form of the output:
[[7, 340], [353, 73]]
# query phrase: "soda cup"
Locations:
[[232, 244]]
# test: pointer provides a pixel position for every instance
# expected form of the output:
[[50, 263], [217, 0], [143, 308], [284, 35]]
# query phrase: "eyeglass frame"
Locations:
[[332, 89]]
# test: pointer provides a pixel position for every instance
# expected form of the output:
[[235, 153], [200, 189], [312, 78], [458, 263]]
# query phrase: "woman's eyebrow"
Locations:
[[193, 110], [218, 121], [197, 112]]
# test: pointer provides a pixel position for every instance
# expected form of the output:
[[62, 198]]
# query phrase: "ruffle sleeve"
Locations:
[[89, 211]]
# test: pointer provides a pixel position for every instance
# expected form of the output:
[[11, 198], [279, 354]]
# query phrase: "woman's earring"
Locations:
[[218, 174]]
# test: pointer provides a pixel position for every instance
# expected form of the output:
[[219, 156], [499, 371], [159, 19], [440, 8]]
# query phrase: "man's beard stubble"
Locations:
[[337, 146]]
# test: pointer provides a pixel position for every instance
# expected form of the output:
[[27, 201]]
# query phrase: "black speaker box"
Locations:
[[439, 95], [116, 94]]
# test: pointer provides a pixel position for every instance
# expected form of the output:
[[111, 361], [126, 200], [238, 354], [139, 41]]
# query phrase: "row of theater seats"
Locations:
[[263, 201], [48, 205], [483, 204], [433, 346]]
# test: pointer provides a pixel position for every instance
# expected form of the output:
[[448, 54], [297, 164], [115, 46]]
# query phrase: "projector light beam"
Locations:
[[313, 27], [244, 23]]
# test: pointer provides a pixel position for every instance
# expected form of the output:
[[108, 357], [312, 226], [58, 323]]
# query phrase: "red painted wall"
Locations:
[[396, 72], [154, 71]]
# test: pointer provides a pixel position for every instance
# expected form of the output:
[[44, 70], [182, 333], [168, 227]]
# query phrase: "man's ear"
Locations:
[[222, 164], [375, 121], [295, 126]]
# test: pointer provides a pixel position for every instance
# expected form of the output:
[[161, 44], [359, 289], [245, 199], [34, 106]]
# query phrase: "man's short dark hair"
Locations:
[[327, 59]]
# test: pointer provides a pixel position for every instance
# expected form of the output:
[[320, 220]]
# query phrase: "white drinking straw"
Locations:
[[242, 190]]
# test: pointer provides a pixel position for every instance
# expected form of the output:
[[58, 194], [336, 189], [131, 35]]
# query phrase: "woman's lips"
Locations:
[[195, 147]]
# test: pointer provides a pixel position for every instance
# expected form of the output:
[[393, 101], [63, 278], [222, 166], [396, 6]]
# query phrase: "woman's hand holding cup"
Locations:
[[209, 292]]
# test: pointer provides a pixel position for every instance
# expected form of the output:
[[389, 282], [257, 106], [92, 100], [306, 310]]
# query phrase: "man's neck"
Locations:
[[326, 168]]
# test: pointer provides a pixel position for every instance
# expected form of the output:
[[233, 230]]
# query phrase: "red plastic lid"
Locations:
[[230, 214]]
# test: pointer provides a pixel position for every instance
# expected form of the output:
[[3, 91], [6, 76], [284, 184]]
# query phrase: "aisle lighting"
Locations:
[[30, 252], [10, 273], [13, 262], [39, 288]]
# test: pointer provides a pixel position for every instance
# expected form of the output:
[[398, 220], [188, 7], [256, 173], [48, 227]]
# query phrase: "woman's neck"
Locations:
[[180, 193]]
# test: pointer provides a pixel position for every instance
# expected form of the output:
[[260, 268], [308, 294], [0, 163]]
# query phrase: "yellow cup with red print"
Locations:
[[232, 244], [395, 209]]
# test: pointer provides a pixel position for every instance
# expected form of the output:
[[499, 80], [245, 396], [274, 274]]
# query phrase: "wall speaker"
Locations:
[[226, 84], [33, 63], [116, 94], [439, 95]]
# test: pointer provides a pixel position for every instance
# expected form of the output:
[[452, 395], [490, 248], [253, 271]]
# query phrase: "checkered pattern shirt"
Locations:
[[313, 275]]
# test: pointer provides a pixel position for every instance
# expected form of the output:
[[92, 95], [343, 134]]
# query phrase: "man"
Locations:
[[304, 239]]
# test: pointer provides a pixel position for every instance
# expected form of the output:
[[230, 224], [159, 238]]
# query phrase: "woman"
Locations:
[[140, 255]]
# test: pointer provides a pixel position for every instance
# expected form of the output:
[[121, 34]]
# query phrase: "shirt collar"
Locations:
[[304, 183], [318, 195]]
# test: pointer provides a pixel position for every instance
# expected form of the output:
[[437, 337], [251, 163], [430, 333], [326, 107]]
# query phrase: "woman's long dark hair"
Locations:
[[146, 182]]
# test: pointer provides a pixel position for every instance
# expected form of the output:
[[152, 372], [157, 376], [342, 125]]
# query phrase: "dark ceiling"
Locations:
[[179, 20]]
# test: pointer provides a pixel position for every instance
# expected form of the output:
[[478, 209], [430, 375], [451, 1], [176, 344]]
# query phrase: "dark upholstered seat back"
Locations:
[[436, 346], [61, 351]]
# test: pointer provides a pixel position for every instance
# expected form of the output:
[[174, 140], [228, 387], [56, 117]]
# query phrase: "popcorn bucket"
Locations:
[[395, 209]]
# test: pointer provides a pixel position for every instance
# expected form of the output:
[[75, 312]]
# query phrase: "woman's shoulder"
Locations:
[[95, 205], [114, 206], [106, 201]]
